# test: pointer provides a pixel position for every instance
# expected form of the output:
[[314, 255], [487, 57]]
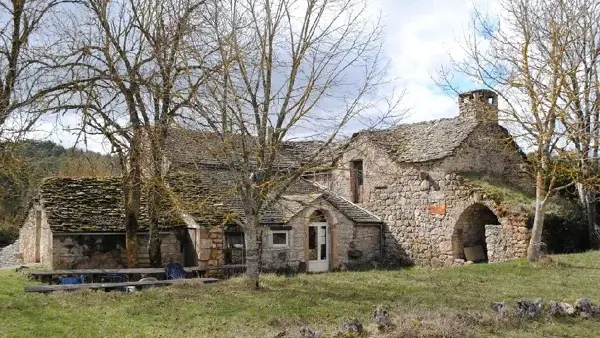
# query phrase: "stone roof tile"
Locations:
[[93, 205], [423, 141]]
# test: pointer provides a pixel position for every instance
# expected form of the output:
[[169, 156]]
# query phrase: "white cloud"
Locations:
[[420, 37], [421, 34]]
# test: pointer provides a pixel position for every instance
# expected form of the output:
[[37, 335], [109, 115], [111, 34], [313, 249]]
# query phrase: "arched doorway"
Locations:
[[468, 238], [318, 242]]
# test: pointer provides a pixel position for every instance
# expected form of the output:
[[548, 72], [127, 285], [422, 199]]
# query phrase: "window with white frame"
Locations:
[[279, 238]]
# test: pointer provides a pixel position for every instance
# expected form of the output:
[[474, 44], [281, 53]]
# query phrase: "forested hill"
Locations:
[[23, 166]]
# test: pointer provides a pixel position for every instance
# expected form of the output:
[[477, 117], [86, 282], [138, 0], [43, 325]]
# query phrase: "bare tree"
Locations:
[[289, 70], [523, 53], [130, 62], [581, 116], [24, 75]]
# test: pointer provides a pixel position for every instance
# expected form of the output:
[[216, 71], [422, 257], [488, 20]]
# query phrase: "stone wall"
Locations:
[[108, 251], [349, 245], [489, 151], [421, 203], [345, 240], [35, 238], [365, 249]]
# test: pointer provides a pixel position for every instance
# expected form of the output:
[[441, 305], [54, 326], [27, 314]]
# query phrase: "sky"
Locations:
[[421, 36]]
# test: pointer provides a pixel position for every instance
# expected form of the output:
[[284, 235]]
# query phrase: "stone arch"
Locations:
[[469, 232]]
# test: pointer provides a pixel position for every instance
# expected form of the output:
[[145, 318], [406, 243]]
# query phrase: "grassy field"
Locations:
[[423, 303]]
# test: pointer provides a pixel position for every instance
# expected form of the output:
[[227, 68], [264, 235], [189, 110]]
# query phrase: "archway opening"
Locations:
[[468, 238]]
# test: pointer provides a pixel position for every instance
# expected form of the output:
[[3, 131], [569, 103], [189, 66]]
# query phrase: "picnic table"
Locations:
[[198, 271], [51, 288]]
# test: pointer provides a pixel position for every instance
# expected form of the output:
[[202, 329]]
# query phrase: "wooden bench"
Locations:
[[51, 288], [198, 271]]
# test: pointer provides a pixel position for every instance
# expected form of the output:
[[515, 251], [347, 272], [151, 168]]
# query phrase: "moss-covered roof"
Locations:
[[208, 195], [94, 205]]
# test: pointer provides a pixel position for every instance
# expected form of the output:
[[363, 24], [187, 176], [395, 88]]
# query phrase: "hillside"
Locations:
[[23, 165]]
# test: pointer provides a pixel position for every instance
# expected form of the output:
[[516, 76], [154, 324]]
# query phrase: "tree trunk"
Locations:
[[133, 194], [154, 195], [252, 252], [534, 250], [131, 224], [587, 199]]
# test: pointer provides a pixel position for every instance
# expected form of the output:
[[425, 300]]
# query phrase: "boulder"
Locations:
[[351, 327], [499, 308], [529, 309], [584, 307], [381, 317], [307, 332], [561, 308]]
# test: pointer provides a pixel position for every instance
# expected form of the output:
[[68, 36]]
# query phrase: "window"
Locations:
[[356, 180], [279, 238]]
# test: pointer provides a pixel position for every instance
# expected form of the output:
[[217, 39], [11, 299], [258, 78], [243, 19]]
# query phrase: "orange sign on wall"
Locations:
[[437, 209]]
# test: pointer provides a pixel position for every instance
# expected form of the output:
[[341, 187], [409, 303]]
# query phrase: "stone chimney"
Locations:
[[480, 105]]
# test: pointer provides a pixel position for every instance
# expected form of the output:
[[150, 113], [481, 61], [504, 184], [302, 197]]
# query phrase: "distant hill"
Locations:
[[23, 166]]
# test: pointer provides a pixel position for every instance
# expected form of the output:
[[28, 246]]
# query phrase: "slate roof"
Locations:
[[93, 205], [423, 141], [210, 198], [191, 149]]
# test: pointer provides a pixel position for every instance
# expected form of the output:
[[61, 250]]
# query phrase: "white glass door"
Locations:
[[318, 247]]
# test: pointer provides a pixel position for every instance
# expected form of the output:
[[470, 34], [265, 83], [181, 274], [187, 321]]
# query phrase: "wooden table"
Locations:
[[51, 288], [198, 271]]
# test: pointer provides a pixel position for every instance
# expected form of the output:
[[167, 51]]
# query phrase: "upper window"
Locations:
[[356, 180], [357, 166], [279, 238]]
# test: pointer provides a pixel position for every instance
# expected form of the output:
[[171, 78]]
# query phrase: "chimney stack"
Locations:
[[480, 105]]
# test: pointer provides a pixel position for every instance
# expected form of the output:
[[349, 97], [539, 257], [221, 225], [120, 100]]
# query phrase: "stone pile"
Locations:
[[582, 307], [529, 309], [8, 255]]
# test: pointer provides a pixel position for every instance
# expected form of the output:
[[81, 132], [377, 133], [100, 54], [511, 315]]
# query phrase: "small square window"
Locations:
[[279, 238]]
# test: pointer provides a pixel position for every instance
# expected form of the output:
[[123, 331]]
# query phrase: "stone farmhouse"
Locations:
[[400, 195]]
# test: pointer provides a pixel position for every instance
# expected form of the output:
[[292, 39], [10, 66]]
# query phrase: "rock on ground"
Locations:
[[500, 308], [8, 255], [529, 309], [351, 327], [381, 317], [584, 307], [307, 332], [561, 308]]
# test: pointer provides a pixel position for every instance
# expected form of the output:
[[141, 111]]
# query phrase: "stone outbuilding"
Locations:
[[80, 223]]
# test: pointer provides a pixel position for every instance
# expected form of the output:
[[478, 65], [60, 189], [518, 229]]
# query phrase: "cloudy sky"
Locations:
[[421, 36]]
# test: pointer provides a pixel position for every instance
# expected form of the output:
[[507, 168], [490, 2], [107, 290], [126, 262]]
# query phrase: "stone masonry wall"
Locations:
[[350, 246], [420, 203], [488, 151], [28, 238], [108, 251]]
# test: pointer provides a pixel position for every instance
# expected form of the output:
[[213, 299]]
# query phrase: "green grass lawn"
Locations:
[[450, 302]]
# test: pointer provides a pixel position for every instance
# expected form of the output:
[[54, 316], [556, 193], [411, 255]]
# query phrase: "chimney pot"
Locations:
[[480, 105]]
